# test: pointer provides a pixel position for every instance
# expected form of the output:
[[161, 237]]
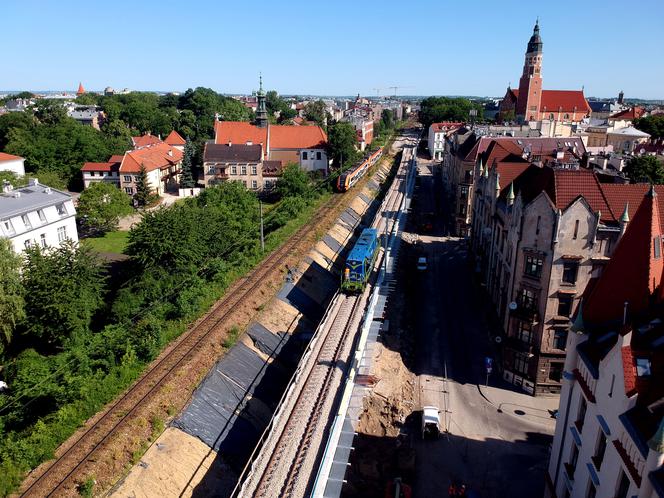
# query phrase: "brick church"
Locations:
[[531, 103]]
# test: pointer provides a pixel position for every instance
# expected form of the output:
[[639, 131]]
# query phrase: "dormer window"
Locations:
[[657, 247], [643, 367]]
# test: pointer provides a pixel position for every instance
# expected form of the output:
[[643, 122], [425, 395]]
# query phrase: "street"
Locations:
[[494, 440]]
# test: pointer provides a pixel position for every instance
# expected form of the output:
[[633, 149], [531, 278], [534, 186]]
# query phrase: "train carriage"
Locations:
[[351, 176], [360, 261]]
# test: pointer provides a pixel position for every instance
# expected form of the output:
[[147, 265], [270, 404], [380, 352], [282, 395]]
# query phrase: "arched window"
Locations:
[[551, 116]]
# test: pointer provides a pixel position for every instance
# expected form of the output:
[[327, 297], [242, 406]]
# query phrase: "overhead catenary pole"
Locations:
[[260, 205]]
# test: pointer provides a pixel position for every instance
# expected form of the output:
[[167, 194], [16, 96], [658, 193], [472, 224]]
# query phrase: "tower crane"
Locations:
[[395, 88]]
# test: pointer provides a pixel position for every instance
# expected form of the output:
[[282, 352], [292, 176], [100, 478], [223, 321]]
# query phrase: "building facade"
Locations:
[[233, 162], [36, 215], [15, 164], [108, 172], [436, 138], [163, 166]]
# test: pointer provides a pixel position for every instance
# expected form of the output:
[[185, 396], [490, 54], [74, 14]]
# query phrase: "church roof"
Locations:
[[81, 90], [561, 100], [629, 114], [280, 136]]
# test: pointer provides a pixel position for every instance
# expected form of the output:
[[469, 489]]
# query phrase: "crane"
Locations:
[[395, 88], [377, 90]]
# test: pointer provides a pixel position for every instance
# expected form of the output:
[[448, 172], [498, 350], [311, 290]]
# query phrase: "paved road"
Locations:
[[497, 440]]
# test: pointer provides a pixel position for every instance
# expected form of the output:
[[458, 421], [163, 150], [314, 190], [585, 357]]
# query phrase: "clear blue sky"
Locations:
[[441, 47]]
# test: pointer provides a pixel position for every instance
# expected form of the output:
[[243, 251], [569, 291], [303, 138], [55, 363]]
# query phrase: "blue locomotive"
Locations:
[[360, 261]]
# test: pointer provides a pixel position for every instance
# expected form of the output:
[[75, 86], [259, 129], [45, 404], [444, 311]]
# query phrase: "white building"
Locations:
[[15, 164], [436, 139], [36, 214], [108, 172]]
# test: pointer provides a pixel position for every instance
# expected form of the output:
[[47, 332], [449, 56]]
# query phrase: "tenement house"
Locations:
[[163, 167], [609, 437], [540, 232], [36, 215], [239, 162]]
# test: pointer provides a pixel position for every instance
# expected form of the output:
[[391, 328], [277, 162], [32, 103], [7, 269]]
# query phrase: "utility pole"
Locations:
[[260, 205]]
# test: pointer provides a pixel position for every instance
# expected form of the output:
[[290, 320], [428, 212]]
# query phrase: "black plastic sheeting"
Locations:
[[231, 407], [332, 243], [365, 198], [349, 219], [301, 302]]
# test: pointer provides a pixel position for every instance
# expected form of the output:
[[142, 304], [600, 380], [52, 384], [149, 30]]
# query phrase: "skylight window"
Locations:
[[643, 367]]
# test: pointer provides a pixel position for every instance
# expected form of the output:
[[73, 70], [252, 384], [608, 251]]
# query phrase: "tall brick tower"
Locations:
[[530, 84]]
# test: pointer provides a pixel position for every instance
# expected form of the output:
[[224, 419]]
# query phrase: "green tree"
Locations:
[[645, 169], [187, 177], [49, 111], [435, 109], [87, 99], [11, 293], [143, 191], [12, 178], [387, 119], [64, 287], [294, 182], [342, 143], [100, 207], [11, 120], [315, 111], [50, 178], [654, 125]]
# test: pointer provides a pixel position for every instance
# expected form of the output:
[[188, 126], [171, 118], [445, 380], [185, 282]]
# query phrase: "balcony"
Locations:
[[585, 385], [518, 345], [526, 312]]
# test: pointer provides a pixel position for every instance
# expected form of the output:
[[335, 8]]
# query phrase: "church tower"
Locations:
[[261, 110], [530, 84]]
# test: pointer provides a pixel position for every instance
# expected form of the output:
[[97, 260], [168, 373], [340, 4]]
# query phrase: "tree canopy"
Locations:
[[436, 109], [315, 111], [11, 293], [645, 169], [100, 207], [342, 143], [654, 125]]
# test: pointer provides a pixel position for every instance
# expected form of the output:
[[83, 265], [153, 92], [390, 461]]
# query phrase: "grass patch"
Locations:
[[115, 242]]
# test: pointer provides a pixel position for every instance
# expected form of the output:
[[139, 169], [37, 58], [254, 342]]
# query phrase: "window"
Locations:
[[560, 339], [556, 371], [576, 229], [243, 169], [61, 209], [537, 227], [212, 170], [598, 458], [623, 485], [592, 490], [127, 178], [565, 304], [136, 179], [42, 218], [254, 169], [642, 367], [233, 170], [534, 266], [62, 234], [657, 246], [527, 299], [319, 156], [27, 244], [129, 190], [92, 173], [570, 271], [304, 156], [43, 239], [581, 415], [26, 221], [524, 331], [521, 363], [254, 184]]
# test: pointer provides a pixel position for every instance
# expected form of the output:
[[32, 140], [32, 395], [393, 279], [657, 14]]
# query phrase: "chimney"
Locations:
[[229, 142], [33, 182], [6, 186], [170, 152]]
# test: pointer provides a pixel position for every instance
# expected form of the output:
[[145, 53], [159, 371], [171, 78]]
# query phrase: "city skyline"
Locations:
[[317, 50]]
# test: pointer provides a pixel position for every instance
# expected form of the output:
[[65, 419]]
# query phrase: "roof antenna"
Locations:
[[625, 313]]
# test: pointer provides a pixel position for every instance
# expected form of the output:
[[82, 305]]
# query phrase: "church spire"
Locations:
[[261, 110]]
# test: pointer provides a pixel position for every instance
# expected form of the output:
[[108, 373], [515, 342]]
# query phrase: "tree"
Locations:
[[100, 207], [187, 177], [645, 169], [143, 191], [654, 125], [293, 182], [387, 119], [11, 293], [49, 111], [435, 109], [64, 287], [315, 111], [342, 140]]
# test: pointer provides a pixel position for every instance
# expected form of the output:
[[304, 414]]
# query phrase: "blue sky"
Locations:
[[442, 47]]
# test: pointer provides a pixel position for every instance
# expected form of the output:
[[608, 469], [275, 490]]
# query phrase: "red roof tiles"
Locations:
[[238, 132], [153, 157], [145, 140], [280, 136], [561, 101], [618, 195], [570, 184], [446, 125], [629, 114], [109, 166], [174, 138], [8, 157], [629, 370]]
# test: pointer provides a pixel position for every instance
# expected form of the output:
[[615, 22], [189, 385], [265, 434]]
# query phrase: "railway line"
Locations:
[[287, 458], [57, 477]]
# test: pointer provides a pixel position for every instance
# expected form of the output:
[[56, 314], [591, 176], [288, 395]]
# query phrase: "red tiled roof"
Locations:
[[153, 157], [570, 184], [99, 166], [633, 273], [8, 157], [116, 158], [145, 140], [174, 138], [238, 132], [446, 125], [561, 100], [629, 114], [297, 137], [629, 370], [508, 172], [618, 195]]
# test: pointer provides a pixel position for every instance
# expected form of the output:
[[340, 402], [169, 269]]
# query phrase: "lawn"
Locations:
[[115, 242]]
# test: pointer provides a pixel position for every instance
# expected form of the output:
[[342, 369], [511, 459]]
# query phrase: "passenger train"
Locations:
[[350, 177], [360, 261]]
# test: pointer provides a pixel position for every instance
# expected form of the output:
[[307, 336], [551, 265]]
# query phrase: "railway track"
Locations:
[[53, 480]]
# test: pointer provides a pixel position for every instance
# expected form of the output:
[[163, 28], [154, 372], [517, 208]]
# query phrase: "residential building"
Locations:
[[87, 115], [108, 172], [531, 103], [609, 437], [36, 214], [436, 138], [363, 127], [175, 140], [626, 139], [144, 141], [163, 165], [15, 164], [233, 162], [539, 234]]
